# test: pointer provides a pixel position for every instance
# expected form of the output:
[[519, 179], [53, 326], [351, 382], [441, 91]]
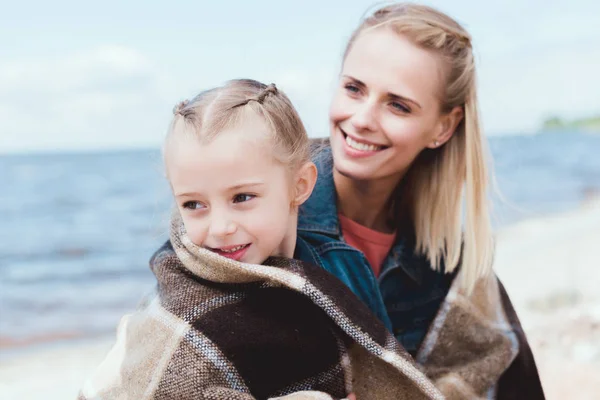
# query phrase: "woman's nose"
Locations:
[[364, 117]]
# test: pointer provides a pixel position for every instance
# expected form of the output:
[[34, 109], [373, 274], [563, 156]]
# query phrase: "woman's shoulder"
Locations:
[[320, 143]]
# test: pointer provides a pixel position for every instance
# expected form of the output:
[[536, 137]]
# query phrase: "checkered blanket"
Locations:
[[220, 329]]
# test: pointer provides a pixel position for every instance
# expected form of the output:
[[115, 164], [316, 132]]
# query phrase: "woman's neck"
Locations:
[[366, 202]]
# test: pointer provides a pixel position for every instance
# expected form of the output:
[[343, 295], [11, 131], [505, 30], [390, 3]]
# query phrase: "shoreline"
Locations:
[[57, 371], [547, 264], [11, 354]]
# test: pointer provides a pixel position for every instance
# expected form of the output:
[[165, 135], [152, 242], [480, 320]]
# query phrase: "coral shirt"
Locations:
[[374, 245]]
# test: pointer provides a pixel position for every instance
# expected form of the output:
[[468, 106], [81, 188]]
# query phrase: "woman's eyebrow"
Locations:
[[356, 81], [391, 96]]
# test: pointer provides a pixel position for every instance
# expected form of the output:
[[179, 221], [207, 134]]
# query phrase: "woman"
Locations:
[[386, 215]]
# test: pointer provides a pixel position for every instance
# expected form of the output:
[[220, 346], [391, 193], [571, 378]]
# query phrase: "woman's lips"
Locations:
[[356, 148]]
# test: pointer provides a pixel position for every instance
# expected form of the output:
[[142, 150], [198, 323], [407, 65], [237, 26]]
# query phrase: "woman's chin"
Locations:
[[352, 168], [354, 172]]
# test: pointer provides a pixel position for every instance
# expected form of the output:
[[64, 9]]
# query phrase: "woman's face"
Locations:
[[386, 109]]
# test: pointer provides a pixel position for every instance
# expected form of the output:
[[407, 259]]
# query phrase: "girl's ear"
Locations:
[[305, 181]]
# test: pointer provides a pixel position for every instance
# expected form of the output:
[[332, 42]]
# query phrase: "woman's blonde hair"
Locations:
[[227, 106], [434, 185]]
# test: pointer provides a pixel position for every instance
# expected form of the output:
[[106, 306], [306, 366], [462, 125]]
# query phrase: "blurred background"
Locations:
[[86, 92]]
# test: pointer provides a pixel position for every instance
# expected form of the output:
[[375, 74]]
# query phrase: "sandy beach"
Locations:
[[547, 264], [550, 269]]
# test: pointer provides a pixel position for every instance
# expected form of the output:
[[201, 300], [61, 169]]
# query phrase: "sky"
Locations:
[[93, 75]]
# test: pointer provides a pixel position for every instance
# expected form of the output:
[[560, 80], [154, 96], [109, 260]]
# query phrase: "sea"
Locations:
[[77, 229]]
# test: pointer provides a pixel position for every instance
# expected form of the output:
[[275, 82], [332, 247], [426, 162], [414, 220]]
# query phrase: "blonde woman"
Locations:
[[405, 152]]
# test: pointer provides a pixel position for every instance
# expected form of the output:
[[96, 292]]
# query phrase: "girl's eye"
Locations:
[[242, 197], [400, 107], [193, 205]]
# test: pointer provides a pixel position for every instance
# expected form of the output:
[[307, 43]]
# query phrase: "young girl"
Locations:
[[233, 317]]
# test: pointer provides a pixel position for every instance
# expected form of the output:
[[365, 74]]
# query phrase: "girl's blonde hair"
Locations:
[[434, 184], [224, 107]]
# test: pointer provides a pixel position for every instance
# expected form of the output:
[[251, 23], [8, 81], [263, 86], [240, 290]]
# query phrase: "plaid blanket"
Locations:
[[476, 349], [219, 329]]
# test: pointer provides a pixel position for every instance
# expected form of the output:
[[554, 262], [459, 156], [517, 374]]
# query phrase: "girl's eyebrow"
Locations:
[[246, 185], [391, 96], [239, 186], [189, 194]]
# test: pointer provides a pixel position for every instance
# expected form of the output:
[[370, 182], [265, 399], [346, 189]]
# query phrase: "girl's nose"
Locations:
[[221, 227]]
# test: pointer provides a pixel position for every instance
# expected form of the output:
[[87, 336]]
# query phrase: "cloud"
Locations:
[[103, 97], [310, 91], [517, 94], [116, 96]]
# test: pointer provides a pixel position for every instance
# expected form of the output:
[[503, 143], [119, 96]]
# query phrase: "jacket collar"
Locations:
[[319, 212]]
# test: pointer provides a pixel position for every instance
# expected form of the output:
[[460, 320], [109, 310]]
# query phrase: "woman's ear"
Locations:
[[305, 181], [447, 126]]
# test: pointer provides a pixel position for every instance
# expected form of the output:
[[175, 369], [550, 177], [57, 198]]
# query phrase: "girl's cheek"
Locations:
[[196, 233]]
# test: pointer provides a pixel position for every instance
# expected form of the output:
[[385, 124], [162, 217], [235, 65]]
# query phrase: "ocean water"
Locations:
[[77, 230]]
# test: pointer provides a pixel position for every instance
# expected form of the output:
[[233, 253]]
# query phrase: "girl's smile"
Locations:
[[234, 252]]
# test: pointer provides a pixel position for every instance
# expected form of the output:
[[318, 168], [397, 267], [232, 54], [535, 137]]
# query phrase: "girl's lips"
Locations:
[[233, 252]]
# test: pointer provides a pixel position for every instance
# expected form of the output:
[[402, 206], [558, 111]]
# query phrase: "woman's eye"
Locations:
[[193, 205], [351, 88], [400, 107], [243, 197]]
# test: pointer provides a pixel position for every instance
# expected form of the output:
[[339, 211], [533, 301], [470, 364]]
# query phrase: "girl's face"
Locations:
[[233, 196], [387, 107]]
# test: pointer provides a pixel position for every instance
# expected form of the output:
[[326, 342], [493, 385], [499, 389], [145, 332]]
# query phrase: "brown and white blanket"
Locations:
[[219, 329], [476, 349]]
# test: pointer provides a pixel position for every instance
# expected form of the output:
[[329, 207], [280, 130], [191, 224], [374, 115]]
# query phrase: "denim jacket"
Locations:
[[407, 294]]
